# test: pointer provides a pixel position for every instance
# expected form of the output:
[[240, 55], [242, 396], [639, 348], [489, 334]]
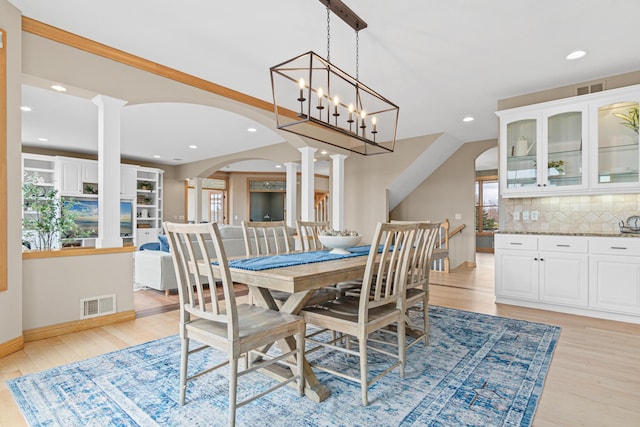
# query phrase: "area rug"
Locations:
[[478, 370]]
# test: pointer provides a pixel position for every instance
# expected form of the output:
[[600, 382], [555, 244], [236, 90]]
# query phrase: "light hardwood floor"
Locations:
[[594, 378]]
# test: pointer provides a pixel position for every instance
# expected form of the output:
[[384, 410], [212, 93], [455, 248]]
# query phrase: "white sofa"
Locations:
[[154, 269]]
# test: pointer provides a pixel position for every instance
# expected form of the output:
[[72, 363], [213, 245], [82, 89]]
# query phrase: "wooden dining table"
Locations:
[[301, 281]]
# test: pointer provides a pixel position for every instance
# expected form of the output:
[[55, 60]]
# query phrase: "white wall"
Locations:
[[11, 300]]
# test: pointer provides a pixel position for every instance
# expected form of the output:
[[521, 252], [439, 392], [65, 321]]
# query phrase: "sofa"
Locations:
[[153, 268]]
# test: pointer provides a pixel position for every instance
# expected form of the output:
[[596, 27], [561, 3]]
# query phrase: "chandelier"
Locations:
[[315, 99]]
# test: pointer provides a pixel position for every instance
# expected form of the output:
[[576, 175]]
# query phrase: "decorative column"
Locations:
[[307, 184], [337, 191], [109, 111], [197, 192], [292, 193]]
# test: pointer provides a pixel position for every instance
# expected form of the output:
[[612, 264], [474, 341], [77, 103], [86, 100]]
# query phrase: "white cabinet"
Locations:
[[516, 266], [70, 176], [591, 276], [90, 172], [550, 269], [128, 180], [614, 275], [564, 270], [146, 235], [580, 145]]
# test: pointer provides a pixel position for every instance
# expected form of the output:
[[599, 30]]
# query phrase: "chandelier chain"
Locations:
[[328, 33], [357, 55]]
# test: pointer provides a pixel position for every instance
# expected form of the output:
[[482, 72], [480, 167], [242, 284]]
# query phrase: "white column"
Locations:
[[307, 184], [109, 110], [291, 203], [197, 191], [337, 191]]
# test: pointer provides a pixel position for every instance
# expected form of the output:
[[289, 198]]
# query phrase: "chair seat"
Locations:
[[252, 321], [345, 308], [414, 295]]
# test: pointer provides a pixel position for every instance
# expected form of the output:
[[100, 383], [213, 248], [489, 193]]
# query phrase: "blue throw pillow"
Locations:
[[150, 246], [164, 243]]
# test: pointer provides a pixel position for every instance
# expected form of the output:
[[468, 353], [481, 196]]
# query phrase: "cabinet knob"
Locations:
[[535, 259]]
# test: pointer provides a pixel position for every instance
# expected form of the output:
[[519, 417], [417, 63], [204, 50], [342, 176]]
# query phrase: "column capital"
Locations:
[[103, 100]]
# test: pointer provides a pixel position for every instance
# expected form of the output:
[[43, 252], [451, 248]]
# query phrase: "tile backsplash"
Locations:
[[571, 214]]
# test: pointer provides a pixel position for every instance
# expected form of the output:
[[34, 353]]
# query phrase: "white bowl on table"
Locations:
[[339, 244]]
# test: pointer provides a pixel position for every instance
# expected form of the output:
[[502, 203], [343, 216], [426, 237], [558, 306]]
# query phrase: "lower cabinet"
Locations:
[[550, 269], [614, 270], [598, 276], [146, 235]]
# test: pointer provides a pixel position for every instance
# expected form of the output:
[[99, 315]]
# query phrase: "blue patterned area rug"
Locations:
[[478, 370]]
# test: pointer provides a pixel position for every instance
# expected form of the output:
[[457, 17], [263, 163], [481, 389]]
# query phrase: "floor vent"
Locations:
[[97, 306], [596, 87]]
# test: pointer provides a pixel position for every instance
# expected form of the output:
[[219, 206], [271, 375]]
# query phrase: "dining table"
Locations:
[[310, 271]]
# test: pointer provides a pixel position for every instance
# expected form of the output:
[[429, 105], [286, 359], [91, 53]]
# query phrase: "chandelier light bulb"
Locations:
[[320, 95], [363, 114], [301, 83]]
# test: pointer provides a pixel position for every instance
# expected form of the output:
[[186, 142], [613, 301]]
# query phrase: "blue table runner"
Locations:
[[298, 258]]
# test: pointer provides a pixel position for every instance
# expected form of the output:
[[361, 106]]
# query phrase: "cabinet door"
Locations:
[[90, 172], [614, 283], [519, 153], [564, 148], [517, 274], [146, 235], [128, 182], [70, 178], [615, 126], [564, 278]]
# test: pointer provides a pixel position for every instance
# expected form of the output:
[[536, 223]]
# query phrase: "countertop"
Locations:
[[550, 233]]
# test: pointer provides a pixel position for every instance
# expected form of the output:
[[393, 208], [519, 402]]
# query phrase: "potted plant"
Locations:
[[145, 185], [630, 120], [46, 216]]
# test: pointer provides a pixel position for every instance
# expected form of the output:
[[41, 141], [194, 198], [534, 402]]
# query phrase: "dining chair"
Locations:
[[308, 232], [378, 305], [232, 328], [266, 237], [417, 290], [272, 238]]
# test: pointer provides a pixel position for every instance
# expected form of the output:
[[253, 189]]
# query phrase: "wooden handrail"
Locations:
[[457, 230]]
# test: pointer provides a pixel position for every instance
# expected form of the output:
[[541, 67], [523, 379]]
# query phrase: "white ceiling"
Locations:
[[438, 60]]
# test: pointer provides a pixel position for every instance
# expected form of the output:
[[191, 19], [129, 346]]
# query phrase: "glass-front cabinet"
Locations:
[[581, 145], [543, 151], [615, 122]]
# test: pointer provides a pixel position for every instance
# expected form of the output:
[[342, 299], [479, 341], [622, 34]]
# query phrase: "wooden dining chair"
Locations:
[[417, 290], [272, 238], [308, 232], [234, 329], [266, 238], [378, 305]]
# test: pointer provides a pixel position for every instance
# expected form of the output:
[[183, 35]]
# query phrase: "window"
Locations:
[[486, 204]]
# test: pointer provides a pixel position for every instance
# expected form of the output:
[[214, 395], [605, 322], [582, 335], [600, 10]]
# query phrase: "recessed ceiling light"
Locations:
[[468, 119], [323, 152], [43, 139], [278, 166], [193, 147], [576, 54], [58, 88], [155, 156], [25, 108], [315, 160], [252, 130], [177, 159]]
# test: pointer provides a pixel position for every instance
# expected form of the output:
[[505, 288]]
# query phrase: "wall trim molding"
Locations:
[[76, 326], [67, 252], [4, 214], [11, 346]]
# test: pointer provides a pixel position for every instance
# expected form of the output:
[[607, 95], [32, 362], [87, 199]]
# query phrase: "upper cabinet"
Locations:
[[615, 160], [573, 146]]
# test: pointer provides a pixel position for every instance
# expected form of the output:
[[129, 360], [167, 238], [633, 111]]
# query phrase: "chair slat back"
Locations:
[[193, 247], [425, 242], [308, 232], [265, 238], [385, 276]]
